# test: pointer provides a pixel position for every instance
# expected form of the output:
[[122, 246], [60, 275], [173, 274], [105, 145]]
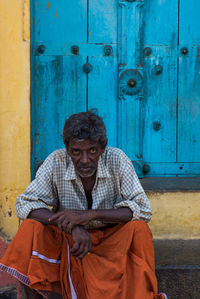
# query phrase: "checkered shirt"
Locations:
[[57, 185]]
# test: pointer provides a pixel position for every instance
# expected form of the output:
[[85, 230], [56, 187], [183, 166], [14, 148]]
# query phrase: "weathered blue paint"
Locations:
[[143, 76]]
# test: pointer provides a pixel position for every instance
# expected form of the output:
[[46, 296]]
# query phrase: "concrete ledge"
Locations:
[[179, 283], [178, 268], [177, 252], [171, 184]]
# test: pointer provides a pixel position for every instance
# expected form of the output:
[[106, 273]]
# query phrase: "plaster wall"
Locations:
[[14, 109]]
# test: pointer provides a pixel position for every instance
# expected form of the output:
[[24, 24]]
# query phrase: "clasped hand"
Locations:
[[71, 221], [68, 219]]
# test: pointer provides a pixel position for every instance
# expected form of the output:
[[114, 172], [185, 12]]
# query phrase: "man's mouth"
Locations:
[[85, 169]]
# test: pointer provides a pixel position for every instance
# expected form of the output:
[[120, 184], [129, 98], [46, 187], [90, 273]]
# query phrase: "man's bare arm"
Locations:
[[41, 215], [67, 219]]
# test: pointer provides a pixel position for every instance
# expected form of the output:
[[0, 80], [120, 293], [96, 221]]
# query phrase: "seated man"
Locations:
[[94, 242]]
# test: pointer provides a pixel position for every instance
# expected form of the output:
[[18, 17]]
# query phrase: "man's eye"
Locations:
[[93, 150], [75, 152]]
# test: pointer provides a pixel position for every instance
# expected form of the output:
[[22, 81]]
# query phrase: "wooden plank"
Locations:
[[173, 169], [60, 22], [130, 16], [59, 90], [189, 83], [102, 92], [188, 109], [102, 21], [189, 32], [160, 22], [159, 105]]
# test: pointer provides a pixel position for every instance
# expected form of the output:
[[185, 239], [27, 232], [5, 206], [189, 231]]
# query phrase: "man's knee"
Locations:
[[139, 227]]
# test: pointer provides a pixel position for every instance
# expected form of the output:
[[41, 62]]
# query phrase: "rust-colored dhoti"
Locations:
[[119, 266]]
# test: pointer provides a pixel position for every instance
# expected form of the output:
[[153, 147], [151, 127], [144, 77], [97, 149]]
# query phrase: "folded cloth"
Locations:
[[120, 264]]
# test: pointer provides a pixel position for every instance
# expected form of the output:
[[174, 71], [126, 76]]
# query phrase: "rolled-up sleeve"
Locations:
[[40, 193], [131, 192]]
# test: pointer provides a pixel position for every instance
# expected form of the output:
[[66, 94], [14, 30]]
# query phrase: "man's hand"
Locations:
[[68, 219], [82, 242]]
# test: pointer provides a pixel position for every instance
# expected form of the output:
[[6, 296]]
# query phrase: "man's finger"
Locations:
[[83, 253], [79, 251], [69, 227], [55, 216], [75, 248]]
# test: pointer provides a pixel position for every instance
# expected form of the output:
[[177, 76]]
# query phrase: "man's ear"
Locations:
[[67, 149], [103, 149]]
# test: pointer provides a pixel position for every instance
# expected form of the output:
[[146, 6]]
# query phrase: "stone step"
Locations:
[[178, 268], [181, 282]]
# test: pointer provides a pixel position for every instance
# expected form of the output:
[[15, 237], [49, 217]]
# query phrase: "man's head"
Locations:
[[84, 136]]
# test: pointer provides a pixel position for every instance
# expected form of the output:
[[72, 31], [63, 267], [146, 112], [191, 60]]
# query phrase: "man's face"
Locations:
[[85, 155]]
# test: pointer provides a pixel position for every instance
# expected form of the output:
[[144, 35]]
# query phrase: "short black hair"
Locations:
[[85, 125]]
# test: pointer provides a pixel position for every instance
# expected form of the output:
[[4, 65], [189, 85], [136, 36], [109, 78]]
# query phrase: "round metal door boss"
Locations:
[[131, 82]]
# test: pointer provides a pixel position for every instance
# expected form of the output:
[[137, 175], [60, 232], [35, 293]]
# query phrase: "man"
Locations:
[[94, 243]]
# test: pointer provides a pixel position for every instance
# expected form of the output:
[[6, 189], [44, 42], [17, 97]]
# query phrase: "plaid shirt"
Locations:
[[57, 185]]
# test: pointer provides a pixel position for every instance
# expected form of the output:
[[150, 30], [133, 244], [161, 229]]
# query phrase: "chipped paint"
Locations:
[[176, 215], [56, 14], [48, 5], [14, 110]]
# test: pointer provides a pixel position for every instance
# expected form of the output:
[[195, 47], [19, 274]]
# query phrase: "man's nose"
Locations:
[[84, 158]]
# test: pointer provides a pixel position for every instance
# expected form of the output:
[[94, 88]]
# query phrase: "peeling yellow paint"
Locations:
[[26, 20], [14, 109], [176, 215]]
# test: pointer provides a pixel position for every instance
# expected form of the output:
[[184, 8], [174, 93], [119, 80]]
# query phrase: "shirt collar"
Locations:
[[102, 170], [70, 172]]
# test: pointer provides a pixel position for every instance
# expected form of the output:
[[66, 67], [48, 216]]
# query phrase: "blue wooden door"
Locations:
[[137, 62]]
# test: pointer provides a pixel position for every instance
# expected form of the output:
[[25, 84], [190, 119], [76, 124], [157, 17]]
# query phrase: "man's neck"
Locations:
[[88, 182]]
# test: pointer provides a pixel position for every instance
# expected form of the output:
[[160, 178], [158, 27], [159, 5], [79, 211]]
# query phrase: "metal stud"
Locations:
[[184, 51], [87, 68], [41, 49], [158, 70], [147, 51], [146, 168], [108, 50], [131, 83], [156, 125], [75, 50]]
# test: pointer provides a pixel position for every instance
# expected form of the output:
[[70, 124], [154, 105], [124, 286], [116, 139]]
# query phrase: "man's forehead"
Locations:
[[82, 143]]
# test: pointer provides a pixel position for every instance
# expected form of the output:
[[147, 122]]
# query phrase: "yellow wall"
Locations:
[[14, 109], [176, 215]]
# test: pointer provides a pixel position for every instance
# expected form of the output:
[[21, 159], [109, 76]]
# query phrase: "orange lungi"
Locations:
[[119, 266]]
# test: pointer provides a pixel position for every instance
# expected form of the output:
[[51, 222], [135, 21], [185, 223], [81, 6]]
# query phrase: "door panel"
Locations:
[[189, 83], [189, 32], [59, 23], [102, 92], [59, 91], [130, 89], [144, 78], [102, 19], [159, 106], [160, 22]]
